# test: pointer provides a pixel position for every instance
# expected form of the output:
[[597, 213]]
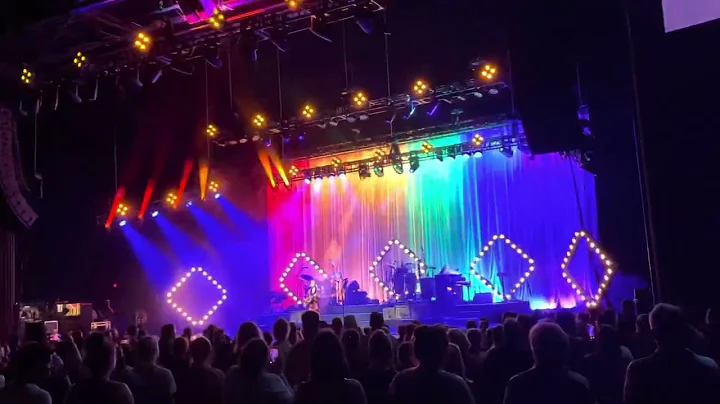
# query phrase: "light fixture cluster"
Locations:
[[608, 269], [487, 72], [426, 147], [359, 99], [293, 171], [420, 88], [122, 209], [212, 130], [186, 277], [259, 121], [79, 60], [308, 112], [26, 76], [143, 42], [518, 250], [477, 139], [217, 19], [213, 186], [171, 199], [419, 269], [299, 256]]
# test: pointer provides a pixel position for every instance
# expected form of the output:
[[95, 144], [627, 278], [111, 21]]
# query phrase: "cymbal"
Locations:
[[306, 278]]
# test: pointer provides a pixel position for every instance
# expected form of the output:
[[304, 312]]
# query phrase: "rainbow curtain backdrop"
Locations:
[[446, 212]]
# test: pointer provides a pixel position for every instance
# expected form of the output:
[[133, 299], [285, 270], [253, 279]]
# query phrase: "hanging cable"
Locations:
[[387, 66], [280, 100], [207, 112], [230, 83], [115, 159], [344, 45]]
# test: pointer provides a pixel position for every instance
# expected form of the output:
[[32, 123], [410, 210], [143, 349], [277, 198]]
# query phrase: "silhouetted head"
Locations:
[[281, 329], [550, 345], [327, 358], [100, 355], [380, 350], [337, 325], [458, 337], [201, 351], [431, 344], [376, 320], [254, 357], [669, 327]]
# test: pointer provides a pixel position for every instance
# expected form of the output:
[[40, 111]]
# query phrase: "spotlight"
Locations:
[[335, 161], [364, 171], [507, 151], [122, 210], [359, 100], [259, 121], [217, 19], [189, 204], [213, 186], [414, 163], [293, 171], [26, 76], [123, 223], [79, 60], [217, 196], [308, 112], [439, 155], [398, 166], [426, 147], [293, 4], [308, 176], [212, 130], [487, 72], [379, 155], [477, 139], [378, 169], [142, 42], [155, 213], [420, 88], [171, 199]]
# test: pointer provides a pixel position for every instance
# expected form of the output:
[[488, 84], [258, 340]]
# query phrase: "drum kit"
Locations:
[[403, 280]]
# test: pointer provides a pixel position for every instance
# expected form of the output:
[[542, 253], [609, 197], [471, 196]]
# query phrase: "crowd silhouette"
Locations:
[[557, 357]]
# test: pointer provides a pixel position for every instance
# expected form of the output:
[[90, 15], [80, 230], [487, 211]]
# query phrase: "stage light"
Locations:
[[217, 19], [507, 151], [213, 186], [299, 257], [414, 163], [477, 139], [378, 169], [293, 4], [379, 155], [155, 213], [335, 161], [397, 163], [123, 223], [364, 171], [439, 155], [212, 130], [307, 174], [184, 279], [420, 88], [308, 112], [188, 204], [293, 171], [359, 100], [143, 42], [608, 268], [419, 265], [496, 240], [258, 121], [26, 76], [427, 147], [79, 60], [122, 210], [217, 196], [488, 71], [171, 199]]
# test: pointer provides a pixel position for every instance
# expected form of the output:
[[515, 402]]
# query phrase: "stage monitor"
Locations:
[[679, 14]]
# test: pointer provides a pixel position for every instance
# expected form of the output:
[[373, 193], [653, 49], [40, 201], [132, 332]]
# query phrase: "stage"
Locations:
[[400, 314]]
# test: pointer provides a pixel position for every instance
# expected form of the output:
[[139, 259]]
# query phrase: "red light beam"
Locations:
[[116, 201], [149, 188]]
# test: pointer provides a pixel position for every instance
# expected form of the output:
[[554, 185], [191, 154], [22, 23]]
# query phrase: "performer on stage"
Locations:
[[312, 300]]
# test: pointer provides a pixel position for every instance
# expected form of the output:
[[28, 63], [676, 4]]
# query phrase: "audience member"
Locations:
[[281, 331], [32, 365], [549, 380], [673, 374], [471, 325], [428, 383], [381, 369], [165, 344], [150, 383], [251, 383], [202, 383], [293, 334], [329, 382], [476, 341], [643, 344], [504, 360], [454, 362], [351, 341], [100, 355], [472, 362], [350, 323], [406, 356], [297, 369], [246, 332], [337, 326], [605, 369], [179, 363]]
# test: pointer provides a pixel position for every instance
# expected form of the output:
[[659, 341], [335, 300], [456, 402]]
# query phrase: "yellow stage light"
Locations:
[[477, 139], [293, 4], [488, 72], [143, 42], [420, 88], [335, 161], [259, 121], [79, 60], [213, 186], [212, 130], [359, 99], [217, 19], [427, 147], [26, 76], [171, 199], [308, 112], [122, 210], [293, 171]]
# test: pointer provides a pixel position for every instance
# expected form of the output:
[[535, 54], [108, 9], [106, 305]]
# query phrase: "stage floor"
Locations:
[[399, 314]]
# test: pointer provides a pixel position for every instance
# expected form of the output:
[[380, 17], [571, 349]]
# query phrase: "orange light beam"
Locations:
[[275, 159], [203, 172], [149, 188], [113, 208], [183, 181], [265, 162]]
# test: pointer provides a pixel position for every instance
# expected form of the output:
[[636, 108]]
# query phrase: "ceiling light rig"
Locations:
[[26, 76], [212, 130], [420, 88], [293, 4], [488, 72], [143, 42], [217, 20], [308, 112], [80, 60], [259, 121], [360, 100]]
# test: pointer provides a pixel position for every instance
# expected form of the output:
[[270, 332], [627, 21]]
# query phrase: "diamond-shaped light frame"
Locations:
[[608, 269], [298, 256], [518, 250], [198, 320], [419, 270]]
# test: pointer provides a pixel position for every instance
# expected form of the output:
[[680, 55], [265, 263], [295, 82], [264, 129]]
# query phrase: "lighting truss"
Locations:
[[608, 268], [298, 256], [419, 269], [468, 148], [184, 279], [496, 239]]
